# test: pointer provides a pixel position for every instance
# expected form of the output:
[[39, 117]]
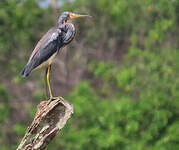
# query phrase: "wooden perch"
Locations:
[[51, 116]]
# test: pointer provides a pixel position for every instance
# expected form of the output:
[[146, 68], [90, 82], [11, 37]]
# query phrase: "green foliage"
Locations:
[[4, 108], [129, 103], [19, 25], [149, 24], [39, 95], [4, 111], [19, 129], [19, 30], [4, 115], [140, 114], [3, 93]]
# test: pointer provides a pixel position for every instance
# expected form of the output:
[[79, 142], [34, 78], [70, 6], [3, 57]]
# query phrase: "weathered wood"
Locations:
[[51, 116]]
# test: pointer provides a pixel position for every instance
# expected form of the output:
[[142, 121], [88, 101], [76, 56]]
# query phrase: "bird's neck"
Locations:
[[68, 32], [66, 26], [61, 21]]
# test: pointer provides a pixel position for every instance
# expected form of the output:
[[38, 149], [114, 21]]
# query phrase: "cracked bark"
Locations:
[[51, 116]]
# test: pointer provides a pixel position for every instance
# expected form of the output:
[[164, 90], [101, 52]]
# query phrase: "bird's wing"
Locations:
[[50, 36], [50, 43]]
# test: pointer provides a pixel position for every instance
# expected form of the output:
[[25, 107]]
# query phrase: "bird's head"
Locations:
[[65, 16]]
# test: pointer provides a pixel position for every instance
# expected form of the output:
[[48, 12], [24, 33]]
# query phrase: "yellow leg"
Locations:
[[48, 81], [48, 84], [46, 90]]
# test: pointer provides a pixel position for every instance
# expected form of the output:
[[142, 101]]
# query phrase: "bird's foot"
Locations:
[[54, 98]]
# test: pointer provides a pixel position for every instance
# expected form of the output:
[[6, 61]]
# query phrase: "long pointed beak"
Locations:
[[73, 15]]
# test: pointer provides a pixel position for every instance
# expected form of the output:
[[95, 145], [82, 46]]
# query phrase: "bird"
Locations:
[[49, 45]]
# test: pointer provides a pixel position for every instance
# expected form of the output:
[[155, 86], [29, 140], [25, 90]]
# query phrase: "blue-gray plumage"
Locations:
[[46, 47], [50, 44]]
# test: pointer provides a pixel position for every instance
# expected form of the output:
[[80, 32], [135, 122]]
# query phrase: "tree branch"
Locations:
[[51, 116]]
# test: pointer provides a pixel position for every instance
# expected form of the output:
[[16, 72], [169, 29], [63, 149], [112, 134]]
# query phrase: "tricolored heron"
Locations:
[[50, 44]]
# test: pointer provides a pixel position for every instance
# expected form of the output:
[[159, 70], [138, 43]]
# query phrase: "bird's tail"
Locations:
[[27, 70]]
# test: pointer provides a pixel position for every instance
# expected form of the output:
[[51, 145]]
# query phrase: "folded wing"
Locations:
[[49, 44]]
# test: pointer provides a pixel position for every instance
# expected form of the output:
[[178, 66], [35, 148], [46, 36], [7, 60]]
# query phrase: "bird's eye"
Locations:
[[65, 20]]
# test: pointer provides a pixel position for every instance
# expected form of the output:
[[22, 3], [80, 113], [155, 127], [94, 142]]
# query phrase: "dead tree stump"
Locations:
[[51, 116]]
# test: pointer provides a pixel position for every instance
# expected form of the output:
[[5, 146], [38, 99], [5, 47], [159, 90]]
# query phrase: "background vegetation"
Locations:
[[121, 73]]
